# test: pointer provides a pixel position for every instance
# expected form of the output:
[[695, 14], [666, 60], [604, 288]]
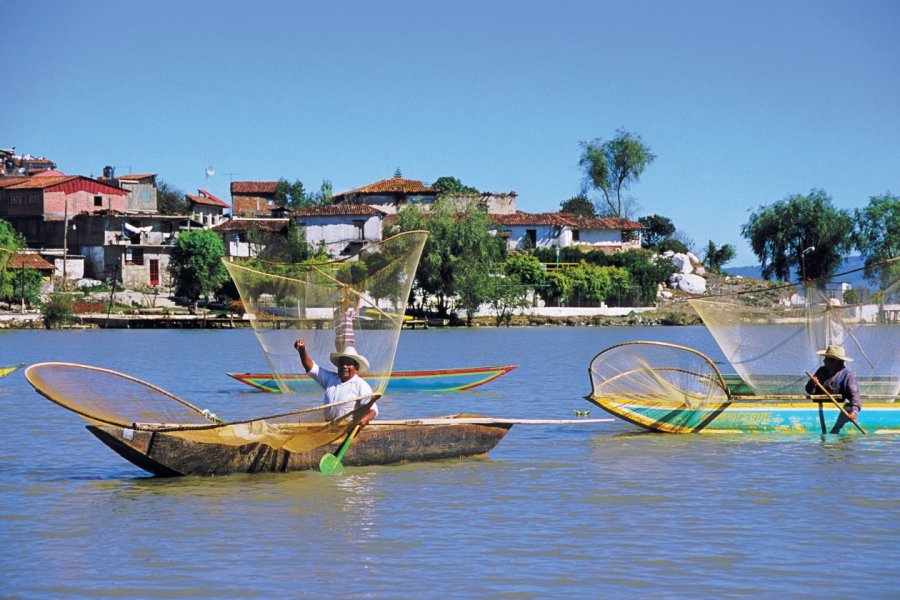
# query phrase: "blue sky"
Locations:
[[743, 103]]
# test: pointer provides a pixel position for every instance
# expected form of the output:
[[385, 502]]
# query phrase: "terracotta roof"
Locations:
[[39, 183], [617, 223], [206, 199], [524, 218], [395, 185], [29, 260], [331, 210], [67, 184], [561, 219], [10, 181], [253, 187], [50, 173], [271, 225], [132, 177]]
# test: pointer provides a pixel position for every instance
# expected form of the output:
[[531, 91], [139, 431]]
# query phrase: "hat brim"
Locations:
[[826, 354], [363, 364]]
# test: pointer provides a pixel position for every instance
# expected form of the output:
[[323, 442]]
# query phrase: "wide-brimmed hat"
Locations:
[[350, 352], [835, 351]]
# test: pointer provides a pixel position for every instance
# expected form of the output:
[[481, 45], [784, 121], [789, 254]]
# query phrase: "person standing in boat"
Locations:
[[343, 385], [343, 322], [838, 380]]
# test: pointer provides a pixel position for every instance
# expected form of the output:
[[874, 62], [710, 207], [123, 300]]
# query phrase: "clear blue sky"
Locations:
[[743, 103]]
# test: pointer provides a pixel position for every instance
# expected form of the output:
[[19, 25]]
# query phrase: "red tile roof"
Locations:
[[10, 181], [67, 184], [395, 185], [207, 199], [253, 187], [561, 219], [138, 177], [271, 225], [331, 210], [29, 260]]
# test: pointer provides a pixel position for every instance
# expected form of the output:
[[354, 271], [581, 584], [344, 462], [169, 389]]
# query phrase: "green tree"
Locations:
[[656, 229], [11, 241], [452, 185], [24, 286], [579, 205], [59, 311], [716, 256], [612, 167], [460, 248], [507, 294], [876, 232], [800, 233], [196, 266], [170, 200], [291, 195]]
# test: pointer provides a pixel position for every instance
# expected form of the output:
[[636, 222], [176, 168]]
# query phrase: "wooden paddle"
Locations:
[[835, 402], [331, 463]]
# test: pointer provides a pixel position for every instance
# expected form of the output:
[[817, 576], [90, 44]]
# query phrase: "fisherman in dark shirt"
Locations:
[[838, 380]]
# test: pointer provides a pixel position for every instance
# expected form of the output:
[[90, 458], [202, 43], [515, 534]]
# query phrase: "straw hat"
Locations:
[[350, 352], [835, 351]]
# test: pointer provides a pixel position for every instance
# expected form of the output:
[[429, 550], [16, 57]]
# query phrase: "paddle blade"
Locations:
[[330, 464]]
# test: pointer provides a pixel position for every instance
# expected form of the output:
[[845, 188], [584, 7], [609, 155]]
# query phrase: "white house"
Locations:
[[342, 228], [546, 230]]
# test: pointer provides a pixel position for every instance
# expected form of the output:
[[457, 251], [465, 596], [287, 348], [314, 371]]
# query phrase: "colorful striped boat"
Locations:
[[436, 380], [799, 415]]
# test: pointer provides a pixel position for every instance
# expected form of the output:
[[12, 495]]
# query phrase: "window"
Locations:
[[575, 235], [531, 238], [360, 226], [98, 201], [134, 256]]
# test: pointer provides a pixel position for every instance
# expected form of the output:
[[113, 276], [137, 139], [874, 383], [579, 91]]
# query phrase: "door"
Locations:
[[154, 272]]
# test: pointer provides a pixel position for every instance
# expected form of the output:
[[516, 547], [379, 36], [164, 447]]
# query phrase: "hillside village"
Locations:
[[109, 228]]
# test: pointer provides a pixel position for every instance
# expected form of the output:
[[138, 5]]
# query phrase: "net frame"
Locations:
[[771, 335]]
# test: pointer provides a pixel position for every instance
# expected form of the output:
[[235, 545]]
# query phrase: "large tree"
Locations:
[[804, 234], [612, 167], [196, 266]]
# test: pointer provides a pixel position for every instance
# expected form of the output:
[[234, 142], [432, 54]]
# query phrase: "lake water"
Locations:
[[587, 510]]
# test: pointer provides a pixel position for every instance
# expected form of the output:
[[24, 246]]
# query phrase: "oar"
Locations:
[[835, 402], [331, 463]]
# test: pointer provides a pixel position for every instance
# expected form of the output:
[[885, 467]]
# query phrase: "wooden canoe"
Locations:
[[166, 455], [435, 380], [753, 414]]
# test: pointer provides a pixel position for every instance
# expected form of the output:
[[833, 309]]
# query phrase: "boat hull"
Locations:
[[4, 371], [439, 380], [766, 415], [167, 455]]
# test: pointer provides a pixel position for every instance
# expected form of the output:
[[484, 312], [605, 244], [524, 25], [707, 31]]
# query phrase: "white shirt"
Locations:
[[335, 391]]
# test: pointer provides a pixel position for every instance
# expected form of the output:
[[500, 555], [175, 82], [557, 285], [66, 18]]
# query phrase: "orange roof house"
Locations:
[[253, 198], [389, 195]]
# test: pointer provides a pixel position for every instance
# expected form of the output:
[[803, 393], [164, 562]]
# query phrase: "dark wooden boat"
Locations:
[[166, 454]]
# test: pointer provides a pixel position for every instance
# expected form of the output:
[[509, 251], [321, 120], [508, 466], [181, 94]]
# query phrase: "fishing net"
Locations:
[[771, 335], [106, 397], [335, 307], [656, 384], [356, 303]]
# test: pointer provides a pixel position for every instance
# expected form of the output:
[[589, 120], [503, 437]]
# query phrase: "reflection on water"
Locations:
[[600, 510]]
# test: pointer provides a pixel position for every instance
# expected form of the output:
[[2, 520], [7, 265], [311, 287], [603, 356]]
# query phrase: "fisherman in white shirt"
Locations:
[[345, 384]]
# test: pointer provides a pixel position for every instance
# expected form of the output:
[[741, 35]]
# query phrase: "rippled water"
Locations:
[[592, 511]]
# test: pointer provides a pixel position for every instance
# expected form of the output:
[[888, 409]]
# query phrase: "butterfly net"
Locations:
[[352, 306], [770, 336], [285, 302], [656, 384]]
